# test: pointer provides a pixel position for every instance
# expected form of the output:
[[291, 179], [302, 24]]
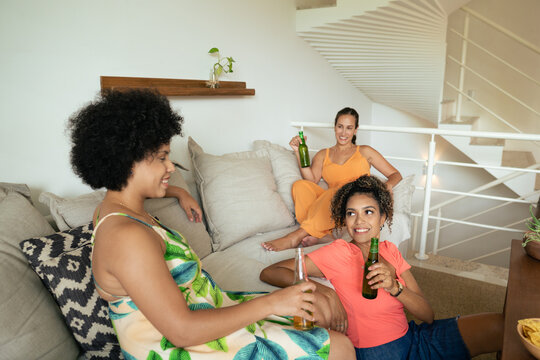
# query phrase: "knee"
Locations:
[[300, 188], [300, 184], [340, 347]]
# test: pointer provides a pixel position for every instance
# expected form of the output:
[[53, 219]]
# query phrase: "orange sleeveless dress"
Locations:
[[312, 203]]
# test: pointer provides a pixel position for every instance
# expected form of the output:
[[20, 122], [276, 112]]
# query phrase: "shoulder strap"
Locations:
[[100, 221]]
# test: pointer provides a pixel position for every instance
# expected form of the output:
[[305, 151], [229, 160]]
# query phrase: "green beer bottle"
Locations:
[[373, 257], [303, 151]]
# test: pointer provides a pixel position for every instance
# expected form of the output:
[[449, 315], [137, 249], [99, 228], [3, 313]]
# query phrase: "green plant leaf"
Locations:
[[324, 351], [217, 297], [179, 354], [219, 344], [251, 328], [165, 344], [152, 355], [218, 70], [200, 285], [213, 50], [174, 251]]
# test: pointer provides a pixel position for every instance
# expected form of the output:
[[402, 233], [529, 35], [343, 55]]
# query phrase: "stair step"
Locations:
[[519, 159], [469, 120], [314, 4], [486, 141]]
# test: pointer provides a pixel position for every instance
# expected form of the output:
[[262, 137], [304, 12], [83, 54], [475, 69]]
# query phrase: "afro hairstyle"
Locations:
[[118, 129]]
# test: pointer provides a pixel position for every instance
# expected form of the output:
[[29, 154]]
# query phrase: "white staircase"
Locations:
[[395, 53], [489, 151]]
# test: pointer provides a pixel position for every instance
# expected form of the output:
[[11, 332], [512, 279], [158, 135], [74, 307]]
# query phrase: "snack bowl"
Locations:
[[533, 349]]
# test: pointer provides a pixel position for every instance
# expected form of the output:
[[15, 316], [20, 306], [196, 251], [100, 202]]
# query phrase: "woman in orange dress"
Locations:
[[338, 165]]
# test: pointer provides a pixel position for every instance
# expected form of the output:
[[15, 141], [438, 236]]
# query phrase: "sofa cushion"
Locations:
[[62, 261], [72, 212], [237, 268], [401, 222], [32, 325], [285, 169], [239, 194], [69, 213]]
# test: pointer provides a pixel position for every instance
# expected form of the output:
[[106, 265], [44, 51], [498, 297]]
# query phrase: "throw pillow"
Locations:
[[285, 169], [74, 212], [238, 194], [62, 261], [32, 325]]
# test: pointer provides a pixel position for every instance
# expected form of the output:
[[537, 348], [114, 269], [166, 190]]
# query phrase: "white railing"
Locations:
[[464, 67], [430, 163]]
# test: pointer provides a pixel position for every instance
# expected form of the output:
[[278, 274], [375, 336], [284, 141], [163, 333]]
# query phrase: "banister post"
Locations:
[[421, 255], [437, 232], [461, 68]]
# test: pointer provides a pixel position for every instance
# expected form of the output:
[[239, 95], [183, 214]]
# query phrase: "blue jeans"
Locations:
[[439, 340]]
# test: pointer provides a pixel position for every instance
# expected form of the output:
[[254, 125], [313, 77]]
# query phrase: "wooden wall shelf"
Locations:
[[176, 87]]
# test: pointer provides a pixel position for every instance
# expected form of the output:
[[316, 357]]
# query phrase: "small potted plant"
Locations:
[[223, 65], [531, 239]]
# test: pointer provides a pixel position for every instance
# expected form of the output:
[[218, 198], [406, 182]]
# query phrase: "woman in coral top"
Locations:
[[378, 328], [338, 165]]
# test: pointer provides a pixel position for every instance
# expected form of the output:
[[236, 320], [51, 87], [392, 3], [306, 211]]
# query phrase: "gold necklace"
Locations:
[[145, 215]]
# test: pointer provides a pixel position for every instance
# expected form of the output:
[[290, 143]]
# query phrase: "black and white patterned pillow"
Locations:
[[62, 261]]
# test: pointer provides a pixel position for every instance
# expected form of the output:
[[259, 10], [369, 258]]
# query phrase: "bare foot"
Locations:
[[310, 240], [288, 241]]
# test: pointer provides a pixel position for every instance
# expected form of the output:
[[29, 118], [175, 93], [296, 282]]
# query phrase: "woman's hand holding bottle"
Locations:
[[295, 142], [296, 300]]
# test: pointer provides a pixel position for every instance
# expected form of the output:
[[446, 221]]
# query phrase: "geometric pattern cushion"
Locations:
[[63, 263]]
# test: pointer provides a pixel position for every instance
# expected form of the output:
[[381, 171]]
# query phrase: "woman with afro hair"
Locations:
[[378, 327], [161, 303]]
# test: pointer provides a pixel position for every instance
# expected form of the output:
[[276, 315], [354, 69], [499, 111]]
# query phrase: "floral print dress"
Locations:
[[270, 338]]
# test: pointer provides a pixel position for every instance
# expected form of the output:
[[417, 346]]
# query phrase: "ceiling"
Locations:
[[393, 53]]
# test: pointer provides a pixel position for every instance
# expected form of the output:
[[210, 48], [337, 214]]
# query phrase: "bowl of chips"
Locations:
[[529, 333]]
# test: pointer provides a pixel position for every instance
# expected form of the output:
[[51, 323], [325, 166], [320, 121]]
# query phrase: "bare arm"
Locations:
[[330, 312], [312, 173], [382, 165], [133, 259], [186, 201]]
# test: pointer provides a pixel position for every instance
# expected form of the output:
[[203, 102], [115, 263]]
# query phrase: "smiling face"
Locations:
[[151, 175], [345, 129], [363, 218]]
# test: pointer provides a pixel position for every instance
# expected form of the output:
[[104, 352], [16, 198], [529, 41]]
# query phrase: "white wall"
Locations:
[[54, 52], [521, 18]]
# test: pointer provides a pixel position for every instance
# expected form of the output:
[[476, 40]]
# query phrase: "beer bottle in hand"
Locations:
[[373, 257], [300, 275], [303, 151]]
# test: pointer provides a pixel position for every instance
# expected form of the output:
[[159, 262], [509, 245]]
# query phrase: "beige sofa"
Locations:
[[48, 299]]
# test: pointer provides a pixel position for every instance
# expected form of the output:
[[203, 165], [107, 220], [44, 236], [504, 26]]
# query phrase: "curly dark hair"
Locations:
[[348, 111], [117, 130], [366, 184]]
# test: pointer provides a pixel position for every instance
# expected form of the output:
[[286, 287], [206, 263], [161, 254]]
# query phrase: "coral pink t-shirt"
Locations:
[[371, 322]]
